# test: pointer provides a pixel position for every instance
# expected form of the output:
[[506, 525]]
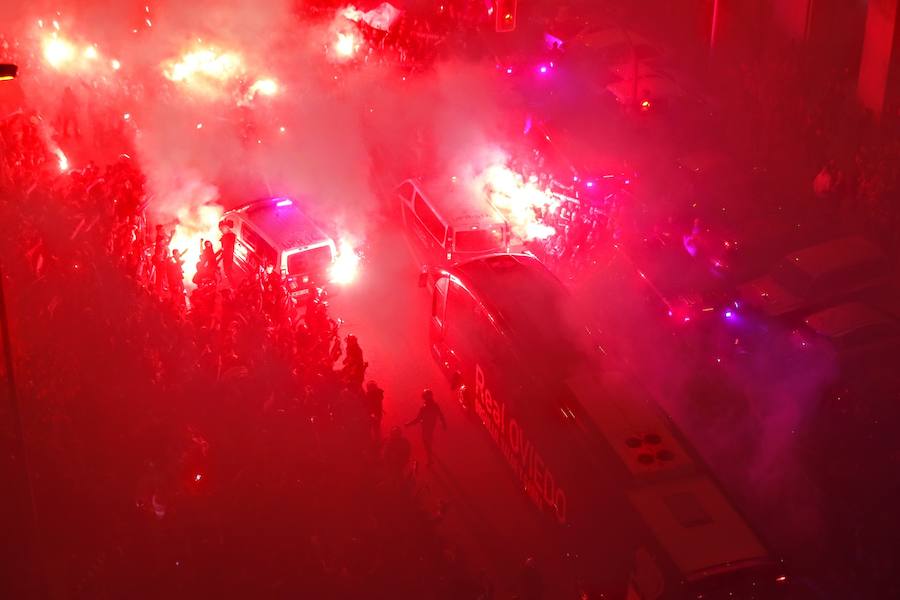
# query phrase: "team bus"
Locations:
[[619, 488]]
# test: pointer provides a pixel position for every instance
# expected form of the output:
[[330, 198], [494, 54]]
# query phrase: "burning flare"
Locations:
[[204, 64], [346, 45], [346, 264], [206, 71], [266, 87], [62, 160], [58, 51], [194, 226], [520, 201]]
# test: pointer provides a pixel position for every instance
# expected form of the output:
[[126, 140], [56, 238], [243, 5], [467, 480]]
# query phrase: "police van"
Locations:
[[449, 223], [276, 231], [617, 485]]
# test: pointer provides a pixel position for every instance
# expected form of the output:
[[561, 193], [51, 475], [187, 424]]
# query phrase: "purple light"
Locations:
[[285, 202], [728, 314], [543, 69], [590, 184], [509, 70]]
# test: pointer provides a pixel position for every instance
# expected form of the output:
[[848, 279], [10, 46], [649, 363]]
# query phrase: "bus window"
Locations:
[[460, 315], [429, 220], [404, 191], [439, 303], [264, 253], [469, 331]]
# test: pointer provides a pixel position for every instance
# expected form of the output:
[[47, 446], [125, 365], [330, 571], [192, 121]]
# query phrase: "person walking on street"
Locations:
[[429, 414], [354, 370]]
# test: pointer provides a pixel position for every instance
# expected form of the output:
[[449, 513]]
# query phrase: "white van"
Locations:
[[276, 231], [448, 224]]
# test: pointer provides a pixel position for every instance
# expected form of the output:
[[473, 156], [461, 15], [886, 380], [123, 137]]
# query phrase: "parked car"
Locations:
[[856, 329], [818, 276]]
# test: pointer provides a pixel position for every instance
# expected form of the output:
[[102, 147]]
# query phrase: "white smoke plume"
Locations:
[[258, 109]]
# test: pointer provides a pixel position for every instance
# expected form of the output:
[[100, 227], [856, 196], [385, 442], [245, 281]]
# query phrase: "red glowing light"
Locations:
[[781, 578], [645, 105], [197, 477]]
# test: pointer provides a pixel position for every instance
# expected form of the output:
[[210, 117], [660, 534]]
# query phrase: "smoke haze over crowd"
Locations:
[[230, 102]]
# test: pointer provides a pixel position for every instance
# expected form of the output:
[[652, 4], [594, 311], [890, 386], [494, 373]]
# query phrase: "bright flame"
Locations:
[[346, 45], [63, 161], [195, 225], [116, 65], [90, 53], [204, 70], [266, 87], [57, 51], [518, 200], [204, 63], [346, 264]]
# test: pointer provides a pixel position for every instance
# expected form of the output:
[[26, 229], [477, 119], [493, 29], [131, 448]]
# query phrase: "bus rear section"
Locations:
[[618, 487]]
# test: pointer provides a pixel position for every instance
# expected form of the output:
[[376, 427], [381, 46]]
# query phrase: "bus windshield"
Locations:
[[534, 310], [479, 240], [313, 260]]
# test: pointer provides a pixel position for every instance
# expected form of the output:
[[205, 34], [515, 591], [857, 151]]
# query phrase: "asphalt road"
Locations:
[[488, 516]]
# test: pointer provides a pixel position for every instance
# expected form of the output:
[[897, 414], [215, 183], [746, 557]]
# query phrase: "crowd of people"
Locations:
[[414, 39], [205, 441]]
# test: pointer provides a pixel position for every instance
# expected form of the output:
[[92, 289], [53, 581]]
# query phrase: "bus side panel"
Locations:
[[561, 476], [469, 343], [244, 258]]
